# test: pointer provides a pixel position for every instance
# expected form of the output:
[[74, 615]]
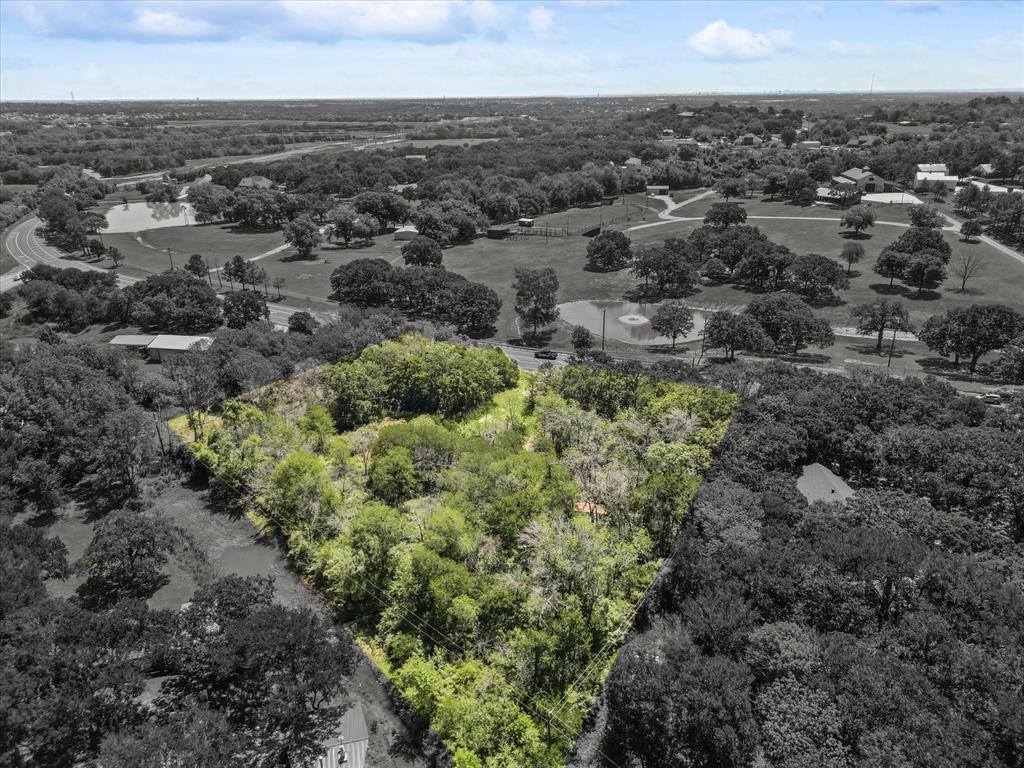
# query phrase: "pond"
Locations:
[[625, 321], [138, 217]]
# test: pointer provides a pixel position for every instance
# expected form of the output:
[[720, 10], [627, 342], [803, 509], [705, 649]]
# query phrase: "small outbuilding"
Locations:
[[657, 189], [633, 162], [498, 231], [525, 223], [415, 157], [407, 232]]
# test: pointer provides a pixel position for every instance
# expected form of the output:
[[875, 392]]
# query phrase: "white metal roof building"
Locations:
[[132, 340], [928, 178], [933, 168], [162, 345]]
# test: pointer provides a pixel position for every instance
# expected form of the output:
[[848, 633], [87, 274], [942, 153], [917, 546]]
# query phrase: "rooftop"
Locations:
[[170, 341], [819, 483]]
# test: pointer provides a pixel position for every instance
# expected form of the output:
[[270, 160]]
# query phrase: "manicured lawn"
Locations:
[[217, 242], [999, 284], [762, 206], [627, 210]]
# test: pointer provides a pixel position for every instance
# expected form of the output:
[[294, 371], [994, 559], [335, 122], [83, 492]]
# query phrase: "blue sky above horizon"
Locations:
[[185, 49]]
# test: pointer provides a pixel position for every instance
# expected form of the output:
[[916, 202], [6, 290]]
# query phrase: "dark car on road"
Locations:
[[546, 354]]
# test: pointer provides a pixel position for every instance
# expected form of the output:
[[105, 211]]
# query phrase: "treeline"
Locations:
[[1002, 215], [73, 429], [880, 631], [429, 292]]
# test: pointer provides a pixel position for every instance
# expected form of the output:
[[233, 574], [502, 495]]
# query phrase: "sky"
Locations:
[[299, 49]]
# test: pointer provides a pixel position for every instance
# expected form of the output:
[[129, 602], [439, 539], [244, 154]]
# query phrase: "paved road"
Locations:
[[124, 181], [28, 249]]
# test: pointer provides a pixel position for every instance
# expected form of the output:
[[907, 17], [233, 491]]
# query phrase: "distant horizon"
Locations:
[[125, 50], [157, 100]]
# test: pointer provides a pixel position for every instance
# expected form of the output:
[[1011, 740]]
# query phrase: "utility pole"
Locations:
[[604, 315], [892, 346]]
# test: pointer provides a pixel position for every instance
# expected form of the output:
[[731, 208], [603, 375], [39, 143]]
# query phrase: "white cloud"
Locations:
[[720, 41], [851, 49], [170, 24], [424, 20], [541, 22], [815, 9]]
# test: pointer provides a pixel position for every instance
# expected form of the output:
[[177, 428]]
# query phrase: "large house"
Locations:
[[863, 179], [261, 182]]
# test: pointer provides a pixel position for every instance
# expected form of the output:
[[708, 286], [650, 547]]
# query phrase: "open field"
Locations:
[[1000, 283], [758, 206], [217, 242]]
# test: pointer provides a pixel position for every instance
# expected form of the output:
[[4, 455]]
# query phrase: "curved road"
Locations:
[[26, 247]]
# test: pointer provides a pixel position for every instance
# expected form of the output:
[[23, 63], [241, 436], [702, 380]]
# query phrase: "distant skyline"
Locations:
[[306, 49]]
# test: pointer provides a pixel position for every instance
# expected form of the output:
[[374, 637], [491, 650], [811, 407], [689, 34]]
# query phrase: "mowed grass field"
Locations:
[[1000, 283], [762, 206], [493, 262], [217, 242]]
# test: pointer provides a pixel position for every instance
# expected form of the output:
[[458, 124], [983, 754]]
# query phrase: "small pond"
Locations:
[[625, 321], [138, 217]]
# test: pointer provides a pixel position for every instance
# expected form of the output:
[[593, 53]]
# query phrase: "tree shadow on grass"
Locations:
[[242, 229], [868, 350], [652, 295], [296, 257], [97, 596], [531, 339], [847, 234], [806, 358], [940, 365], [820, 302], [889, 290], [925, 295]]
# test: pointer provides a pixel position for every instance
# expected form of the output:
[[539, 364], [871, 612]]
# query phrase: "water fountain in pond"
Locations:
[[623, 321], [633, 320]]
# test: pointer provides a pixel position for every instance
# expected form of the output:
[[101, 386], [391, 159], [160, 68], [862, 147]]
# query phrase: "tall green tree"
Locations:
[[880, 316], [672, 319], [536, 296], [124, 559], [303, 234]]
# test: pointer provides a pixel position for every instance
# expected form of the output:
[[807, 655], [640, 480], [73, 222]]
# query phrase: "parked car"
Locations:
[[546, 354], [991, 398]]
